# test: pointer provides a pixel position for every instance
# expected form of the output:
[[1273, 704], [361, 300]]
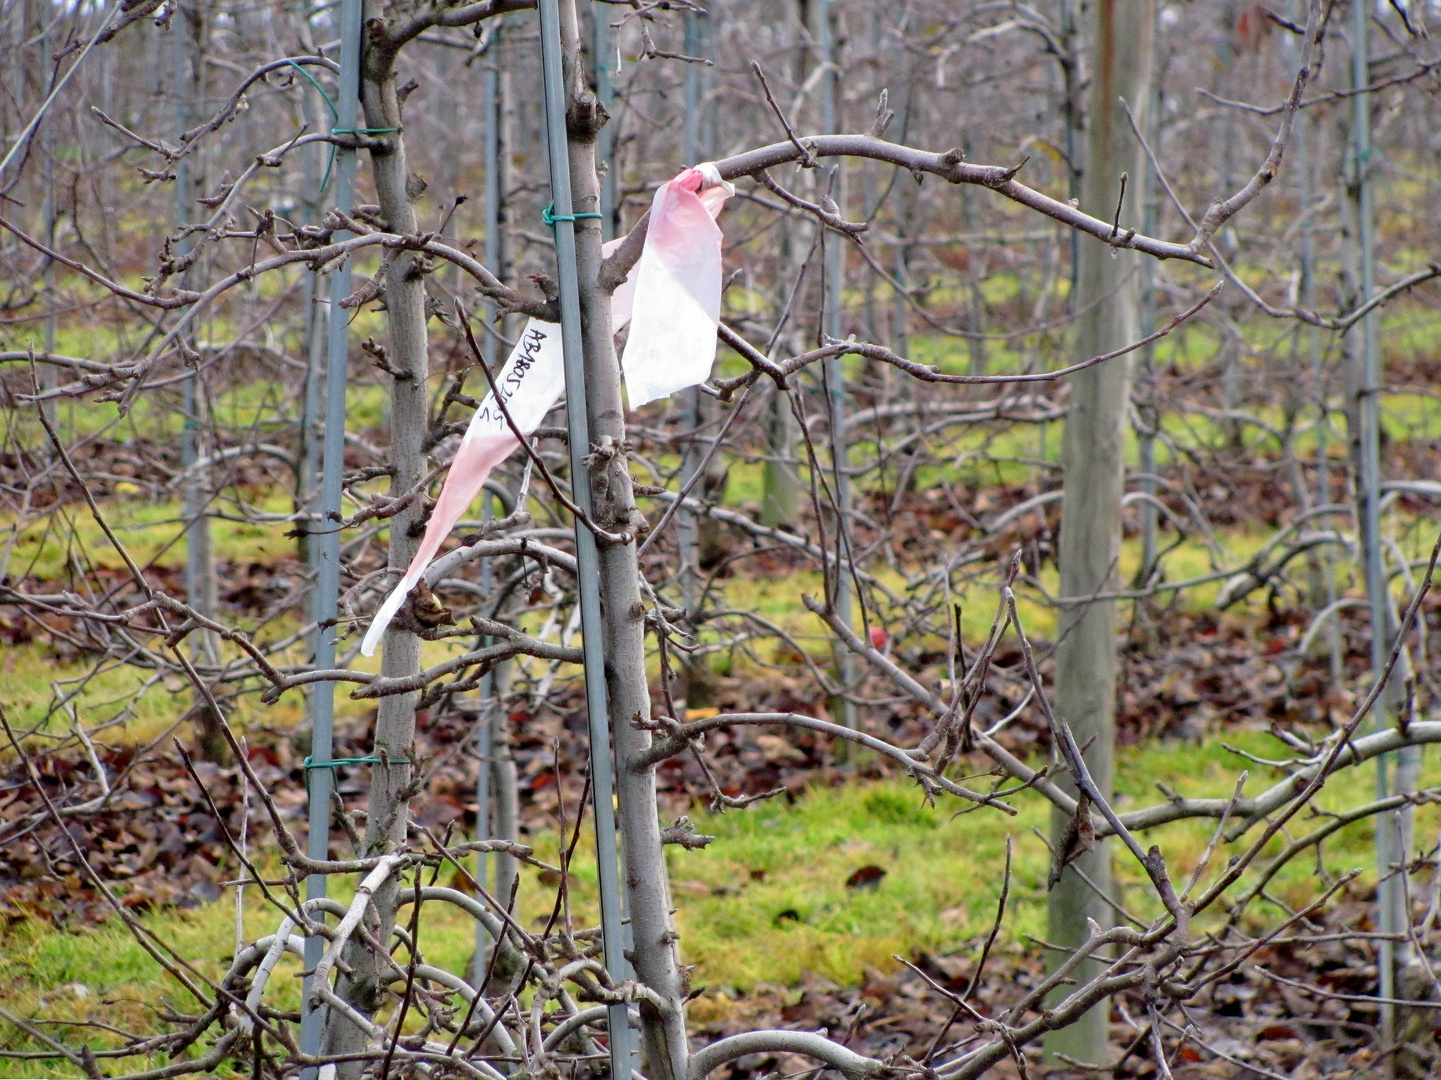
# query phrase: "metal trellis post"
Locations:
[[601, 48], [587, 572], [695, 45], [47, 150], [490, 107], [1392, 770], [490, 715], [490, 712], [199, 580], [308, 480], [325, 601], [835, 372]]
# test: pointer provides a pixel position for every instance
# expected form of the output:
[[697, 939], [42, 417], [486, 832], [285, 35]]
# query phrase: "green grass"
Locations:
[[152, 532], [126, 705], [33, 675], [763, 905], [103, 974], [943, 868], [41, 692], [767, 902]]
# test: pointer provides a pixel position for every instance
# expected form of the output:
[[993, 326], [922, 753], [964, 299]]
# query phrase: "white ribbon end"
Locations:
[[383, 615]]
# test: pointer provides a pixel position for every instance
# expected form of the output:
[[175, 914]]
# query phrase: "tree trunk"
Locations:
[[188, 87], [499, 819], [1093, 456], [395, 721], [656, 958], [781, 489]]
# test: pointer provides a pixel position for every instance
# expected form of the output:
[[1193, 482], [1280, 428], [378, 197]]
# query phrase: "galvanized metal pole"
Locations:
[[199, 563], [490, 107], [896, 60], [1070, 38], [313, 394], [601, 49], [490, 715], [695, 45], [1147, 412], [325, 599], [20, 74], [695, 34], [1392, 770], [47, 149], [824, 33], [587, 572], [1303, 164]]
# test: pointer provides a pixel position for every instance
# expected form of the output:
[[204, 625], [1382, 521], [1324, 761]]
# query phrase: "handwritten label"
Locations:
[[529, 384]]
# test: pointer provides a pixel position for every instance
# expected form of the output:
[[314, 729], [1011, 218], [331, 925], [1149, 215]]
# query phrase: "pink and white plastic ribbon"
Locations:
[[531, 382], [672, 301], [676, 310]]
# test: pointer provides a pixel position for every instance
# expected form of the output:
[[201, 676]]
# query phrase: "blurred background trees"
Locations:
[[1274, 459]]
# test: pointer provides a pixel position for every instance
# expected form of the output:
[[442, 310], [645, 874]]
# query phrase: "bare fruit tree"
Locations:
[[542, 1001]]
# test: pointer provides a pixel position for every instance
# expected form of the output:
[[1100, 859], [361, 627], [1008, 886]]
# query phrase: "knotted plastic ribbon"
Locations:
[[676, 307], [672, 301]]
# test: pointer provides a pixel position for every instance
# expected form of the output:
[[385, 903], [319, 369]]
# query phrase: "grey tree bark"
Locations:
[[188, 86], [505, 797], [647, 887], [781, 487], [1093, 456]]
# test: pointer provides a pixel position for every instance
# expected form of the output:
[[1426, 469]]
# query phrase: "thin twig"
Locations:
[[808, 160]]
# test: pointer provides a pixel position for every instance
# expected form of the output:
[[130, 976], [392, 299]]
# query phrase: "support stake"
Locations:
[[587, 573], [326, 531], [824, 32], [1396, 772]]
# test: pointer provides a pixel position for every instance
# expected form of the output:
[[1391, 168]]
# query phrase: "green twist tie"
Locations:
[[325, 180], [550, 217], [308, 764], [334, 112]]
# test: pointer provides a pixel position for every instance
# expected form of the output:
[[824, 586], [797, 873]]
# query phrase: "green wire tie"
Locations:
[[308, 764], [550, 217], [334, 763], [334, 112], [334, 115]]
